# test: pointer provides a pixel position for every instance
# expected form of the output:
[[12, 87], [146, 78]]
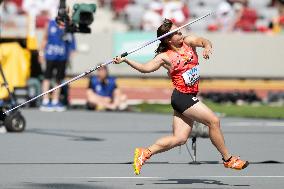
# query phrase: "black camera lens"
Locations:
[[86, 18]]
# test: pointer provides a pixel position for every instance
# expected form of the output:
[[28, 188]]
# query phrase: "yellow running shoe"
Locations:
[[140, 157], [234, 162]]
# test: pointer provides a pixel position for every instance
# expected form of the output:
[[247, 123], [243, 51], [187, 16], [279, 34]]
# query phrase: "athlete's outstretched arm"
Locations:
[[148, 67], [195, 41]]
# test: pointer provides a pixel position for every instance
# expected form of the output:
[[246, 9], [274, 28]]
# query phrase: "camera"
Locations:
[[81, 19]]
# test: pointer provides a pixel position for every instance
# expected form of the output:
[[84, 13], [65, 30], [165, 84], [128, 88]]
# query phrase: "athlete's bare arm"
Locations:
[[195, 41], [148, 67]]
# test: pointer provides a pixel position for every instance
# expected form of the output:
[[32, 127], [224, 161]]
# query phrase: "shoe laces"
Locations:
[[143, 157], [236, 161]]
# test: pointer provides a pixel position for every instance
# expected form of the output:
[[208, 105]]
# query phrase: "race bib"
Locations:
[[191, 76], [55, 50]]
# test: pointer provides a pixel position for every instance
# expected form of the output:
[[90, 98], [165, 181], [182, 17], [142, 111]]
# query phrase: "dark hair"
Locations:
[[164, 28], [103, 68]]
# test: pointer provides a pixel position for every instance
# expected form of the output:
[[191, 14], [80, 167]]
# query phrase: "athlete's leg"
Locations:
[[181, 130], [201, 113]]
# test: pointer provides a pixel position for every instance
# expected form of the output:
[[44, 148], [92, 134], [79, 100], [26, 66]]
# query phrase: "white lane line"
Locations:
[[219, 176], [123, 177], [250, 124], [98, 177], [249, 176]]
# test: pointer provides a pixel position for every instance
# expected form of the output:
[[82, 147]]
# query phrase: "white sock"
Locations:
[[122, 106], [45, 101], [54, 101]]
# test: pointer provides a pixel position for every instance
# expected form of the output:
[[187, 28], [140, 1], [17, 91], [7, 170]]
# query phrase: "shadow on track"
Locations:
[[71, 136], [194, 181], [190, 181]]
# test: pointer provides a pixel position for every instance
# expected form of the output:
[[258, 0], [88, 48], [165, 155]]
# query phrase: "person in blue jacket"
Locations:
[[103, 93], [57, 47]]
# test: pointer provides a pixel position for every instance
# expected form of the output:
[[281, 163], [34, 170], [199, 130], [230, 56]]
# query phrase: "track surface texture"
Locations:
[[94, 150]]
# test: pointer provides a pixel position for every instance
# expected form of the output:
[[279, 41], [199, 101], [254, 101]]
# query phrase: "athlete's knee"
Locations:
[[214, 122], [181, 140]]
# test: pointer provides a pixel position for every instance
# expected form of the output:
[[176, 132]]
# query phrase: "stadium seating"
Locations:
[[130, 15]]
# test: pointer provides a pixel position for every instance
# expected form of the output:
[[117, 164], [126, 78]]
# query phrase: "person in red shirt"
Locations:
[[177, 54], [118, 7], [246, 17]]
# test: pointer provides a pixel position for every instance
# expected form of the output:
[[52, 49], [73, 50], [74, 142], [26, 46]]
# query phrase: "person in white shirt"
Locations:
[[152, 18], [173, 10]]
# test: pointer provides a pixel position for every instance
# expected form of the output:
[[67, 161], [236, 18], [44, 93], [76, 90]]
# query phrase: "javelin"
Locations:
[[106, 63]]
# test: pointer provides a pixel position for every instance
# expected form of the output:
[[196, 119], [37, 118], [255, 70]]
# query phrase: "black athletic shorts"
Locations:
[[57, 66], [182, 101]]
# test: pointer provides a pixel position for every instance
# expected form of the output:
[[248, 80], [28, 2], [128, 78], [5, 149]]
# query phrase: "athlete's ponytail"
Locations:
[[164, 28]]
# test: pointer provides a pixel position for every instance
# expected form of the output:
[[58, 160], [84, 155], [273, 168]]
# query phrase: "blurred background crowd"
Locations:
[[230, 15]]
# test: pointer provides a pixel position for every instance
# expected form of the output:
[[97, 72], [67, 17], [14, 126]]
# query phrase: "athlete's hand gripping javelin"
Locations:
[[119, 59]]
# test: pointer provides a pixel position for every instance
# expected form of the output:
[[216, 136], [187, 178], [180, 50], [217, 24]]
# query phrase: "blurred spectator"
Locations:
[[33, 7], [51, 6], [118, 7], [8, 12], [225, 16], [103, 92], [232, 15], [10, 16], [42, 19], [176, 11], [133, 14], [278, 22], [105, 3], [152, 18], [42, 10], [57, 47], [246, 17], [18, 3], [272, 3]]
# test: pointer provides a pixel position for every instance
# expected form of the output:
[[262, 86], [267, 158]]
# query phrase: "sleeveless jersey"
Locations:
[[184, 72]]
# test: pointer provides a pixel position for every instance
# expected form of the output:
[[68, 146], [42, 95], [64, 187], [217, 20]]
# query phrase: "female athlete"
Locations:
[[177, 54]]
